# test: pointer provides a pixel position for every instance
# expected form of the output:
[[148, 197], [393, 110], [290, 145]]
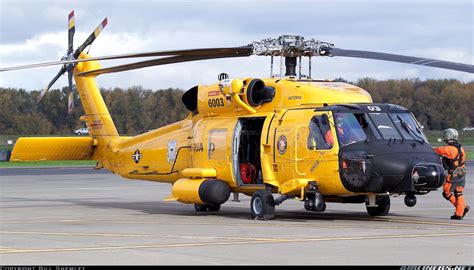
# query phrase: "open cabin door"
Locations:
[[246, 151]]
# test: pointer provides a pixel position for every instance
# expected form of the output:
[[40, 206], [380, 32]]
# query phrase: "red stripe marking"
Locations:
[[213, 93]]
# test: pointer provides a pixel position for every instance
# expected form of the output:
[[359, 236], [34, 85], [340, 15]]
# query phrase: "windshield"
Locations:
[[356, 127], [385, 126], [408, 126]]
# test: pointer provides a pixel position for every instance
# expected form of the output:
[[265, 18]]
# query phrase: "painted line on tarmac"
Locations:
[[262, 224], [424, 222], [275, 225], [137, 235], [229, 243]]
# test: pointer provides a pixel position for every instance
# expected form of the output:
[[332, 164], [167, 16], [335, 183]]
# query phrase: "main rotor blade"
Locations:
[[403, 59], [245, 51], [71, 30], [91, 38], [156, 62], [43, 92]]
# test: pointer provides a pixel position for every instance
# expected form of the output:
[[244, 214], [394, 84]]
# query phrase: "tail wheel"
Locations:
[[262, 205], [383, 206]]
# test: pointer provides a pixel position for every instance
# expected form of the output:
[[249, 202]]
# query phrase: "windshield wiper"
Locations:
[[410, 130]]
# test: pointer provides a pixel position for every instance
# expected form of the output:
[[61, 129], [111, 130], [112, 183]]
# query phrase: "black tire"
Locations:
[[410, 201], [314, 202], [323, 208], [383, 206], [201, 207], [214, 208], [262, 205], [310, 205]]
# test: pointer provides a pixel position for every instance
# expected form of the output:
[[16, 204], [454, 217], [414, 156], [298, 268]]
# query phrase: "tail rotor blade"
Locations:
[[91, 38], [45, 90], [70, 102], [71, 30], [403, 59], [69, 78]]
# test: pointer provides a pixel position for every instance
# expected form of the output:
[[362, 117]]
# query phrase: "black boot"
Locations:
[[456, 217], [466, 209]]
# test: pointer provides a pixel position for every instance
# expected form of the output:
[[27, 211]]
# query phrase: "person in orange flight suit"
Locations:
[[328, 138], [454, 159], [345, 136]]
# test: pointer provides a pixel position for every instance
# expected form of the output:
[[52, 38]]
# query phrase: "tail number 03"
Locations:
[[374, 108], [216, 102]]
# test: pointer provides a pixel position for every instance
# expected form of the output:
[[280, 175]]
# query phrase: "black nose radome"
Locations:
[[395, 168]]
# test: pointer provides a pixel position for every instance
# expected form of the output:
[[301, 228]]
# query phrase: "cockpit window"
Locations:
[[349, 128], [408, 126], [320, 136], [385, 126]]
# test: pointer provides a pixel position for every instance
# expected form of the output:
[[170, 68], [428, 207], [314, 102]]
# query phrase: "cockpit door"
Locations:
[[300, 148]]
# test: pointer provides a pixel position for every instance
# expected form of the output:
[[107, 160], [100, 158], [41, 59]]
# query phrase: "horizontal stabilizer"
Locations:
[[52, 148]]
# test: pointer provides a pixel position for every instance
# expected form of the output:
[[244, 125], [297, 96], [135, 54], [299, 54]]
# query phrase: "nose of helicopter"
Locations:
[[396, 168]]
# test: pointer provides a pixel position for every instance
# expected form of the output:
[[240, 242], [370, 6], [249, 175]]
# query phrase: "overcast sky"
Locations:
[[36, 31]]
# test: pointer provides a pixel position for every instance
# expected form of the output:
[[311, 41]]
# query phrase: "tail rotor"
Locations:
[[72, 54]]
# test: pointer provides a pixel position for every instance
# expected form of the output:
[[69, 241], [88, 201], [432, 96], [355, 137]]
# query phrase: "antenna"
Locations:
[[271, 66]]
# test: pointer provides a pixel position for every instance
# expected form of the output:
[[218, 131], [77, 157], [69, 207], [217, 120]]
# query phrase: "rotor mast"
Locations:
[[291, 47]]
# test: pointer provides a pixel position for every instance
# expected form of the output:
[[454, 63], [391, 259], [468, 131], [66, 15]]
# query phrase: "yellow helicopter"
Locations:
[[311, 140]]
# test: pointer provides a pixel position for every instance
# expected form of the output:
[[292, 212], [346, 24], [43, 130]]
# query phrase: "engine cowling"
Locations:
[[228, 96], [201, 191]]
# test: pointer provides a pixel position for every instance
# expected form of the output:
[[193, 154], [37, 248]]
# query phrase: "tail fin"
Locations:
[[97, 116]]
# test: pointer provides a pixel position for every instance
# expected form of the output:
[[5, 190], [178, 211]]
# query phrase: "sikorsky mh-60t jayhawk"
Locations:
[[311, 140]]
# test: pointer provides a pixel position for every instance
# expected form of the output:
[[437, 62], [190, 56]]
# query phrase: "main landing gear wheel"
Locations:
[[262, 205], [205, 208], [382, 208], [314, 202]]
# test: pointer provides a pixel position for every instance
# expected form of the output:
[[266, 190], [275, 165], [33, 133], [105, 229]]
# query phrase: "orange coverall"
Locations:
[[328, 136], [453, 191]]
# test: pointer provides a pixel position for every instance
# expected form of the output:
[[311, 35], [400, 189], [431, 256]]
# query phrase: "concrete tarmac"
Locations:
[[83, 217]]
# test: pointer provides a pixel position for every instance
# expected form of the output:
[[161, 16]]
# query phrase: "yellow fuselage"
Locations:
[[211, 143], [206, 140]]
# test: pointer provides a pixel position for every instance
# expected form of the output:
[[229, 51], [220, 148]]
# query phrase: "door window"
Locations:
[[217, 148]]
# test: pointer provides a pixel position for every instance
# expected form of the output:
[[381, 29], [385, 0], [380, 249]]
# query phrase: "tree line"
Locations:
[[134, 110], [437, 104]]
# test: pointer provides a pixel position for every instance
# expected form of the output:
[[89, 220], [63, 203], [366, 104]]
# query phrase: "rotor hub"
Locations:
[[291, 46]]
